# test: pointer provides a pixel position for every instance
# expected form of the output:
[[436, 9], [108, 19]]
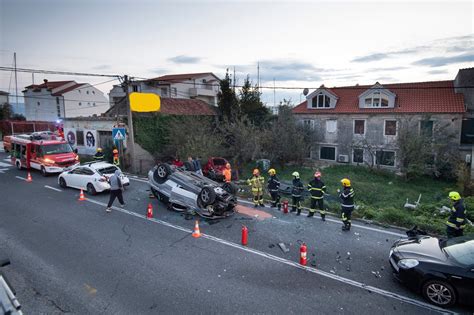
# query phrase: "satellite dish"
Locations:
[[305, 91]]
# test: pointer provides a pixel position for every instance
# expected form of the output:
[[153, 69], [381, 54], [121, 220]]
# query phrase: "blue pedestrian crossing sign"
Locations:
[[118, 134]]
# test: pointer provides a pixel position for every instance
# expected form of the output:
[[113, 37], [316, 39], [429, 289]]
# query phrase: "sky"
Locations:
[[297, 44]]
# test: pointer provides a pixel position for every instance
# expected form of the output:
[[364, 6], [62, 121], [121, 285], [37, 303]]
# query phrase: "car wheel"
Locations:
[[207, 196], [91, 189], [62, 182], [439, 293], [230, 188], [161, 173], [43, 171], [18, 165]]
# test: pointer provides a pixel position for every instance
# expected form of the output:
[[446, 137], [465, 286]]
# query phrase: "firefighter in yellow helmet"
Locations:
[[296, 193], [99, 155], [347, 203], [273, 186], [256, 182], [317, 189], [457, 219]]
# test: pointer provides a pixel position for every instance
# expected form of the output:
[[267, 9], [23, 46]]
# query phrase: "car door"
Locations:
[[463, 281], [73, 177], [87, 176]]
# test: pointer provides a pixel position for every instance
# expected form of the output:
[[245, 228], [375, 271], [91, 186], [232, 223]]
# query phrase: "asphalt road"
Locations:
[[70, 256]]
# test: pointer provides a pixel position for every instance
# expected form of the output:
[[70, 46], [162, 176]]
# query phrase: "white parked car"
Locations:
[[92, 177]]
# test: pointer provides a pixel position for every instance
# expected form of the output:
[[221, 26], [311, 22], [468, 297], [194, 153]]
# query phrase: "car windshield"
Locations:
[[460, 249], [57, 148], [107, 170], [219, 162]]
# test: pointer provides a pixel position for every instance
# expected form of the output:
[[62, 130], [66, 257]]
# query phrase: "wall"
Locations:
[[92, 102], [40, 106]]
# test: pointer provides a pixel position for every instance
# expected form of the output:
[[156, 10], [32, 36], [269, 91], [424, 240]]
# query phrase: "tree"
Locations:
[[251, 105], [227, 104], [6, 111]]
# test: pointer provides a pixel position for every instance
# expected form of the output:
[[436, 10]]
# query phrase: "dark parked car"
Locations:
[[190, 192], [442, 270]]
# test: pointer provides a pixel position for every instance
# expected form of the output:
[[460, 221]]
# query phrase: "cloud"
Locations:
[[372, 57], [160, 71], [386, 69], [184, 59], [102, 67], [443, 61], [389, 54], [437, 71]]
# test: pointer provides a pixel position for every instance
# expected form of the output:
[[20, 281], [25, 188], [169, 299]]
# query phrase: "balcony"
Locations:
[[193, 92]]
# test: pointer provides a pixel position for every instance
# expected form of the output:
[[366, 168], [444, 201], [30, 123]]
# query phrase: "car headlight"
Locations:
[[46, 160], [407, 263]]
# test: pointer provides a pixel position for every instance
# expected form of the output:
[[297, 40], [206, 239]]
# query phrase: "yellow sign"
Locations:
[[144, 102]]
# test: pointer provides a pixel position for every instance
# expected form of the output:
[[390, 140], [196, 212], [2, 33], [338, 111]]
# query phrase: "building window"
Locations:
[[327, 153], [376, 99], [467, 131], [135, 88], [331, 126], [174, 92], [89, 103], [385, 158], [80, 137], [80, 103], [426, 128], [308, 123], [359, 127], [93, 92], [57, 100], [38, 103], [390, 128], [87, 92], [93, 104], [321, 101], [164, 92], [80, 91], [358, 156]]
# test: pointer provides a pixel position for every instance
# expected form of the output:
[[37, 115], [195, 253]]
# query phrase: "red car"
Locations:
[[214, 167]]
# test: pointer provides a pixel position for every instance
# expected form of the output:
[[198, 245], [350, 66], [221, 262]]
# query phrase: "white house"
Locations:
[[3, 97], [54, 100], [201, 86]]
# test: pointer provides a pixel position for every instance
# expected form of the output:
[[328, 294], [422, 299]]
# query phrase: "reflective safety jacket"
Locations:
[[273, 184], [457, 219], [227, 175], [297, 187], [347, 197], [98, 156], [317, 188], [257, 183]]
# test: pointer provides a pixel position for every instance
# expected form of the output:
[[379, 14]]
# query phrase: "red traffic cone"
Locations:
[[197, 232], [149, 211], [81, 196], [28, 178]]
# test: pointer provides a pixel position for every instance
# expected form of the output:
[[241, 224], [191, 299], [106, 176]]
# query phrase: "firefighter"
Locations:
[[116, 159], [296, 192], [317, 190], [347, 203], [273, 186], [257, 182], [227, 172], [99, 155], [457, 220]]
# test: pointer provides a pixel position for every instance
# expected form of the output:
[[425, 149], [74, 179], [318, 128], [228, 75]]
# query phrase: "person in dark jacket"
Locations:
[[296, 193], [317, 190], [273, 186], [189, 165], [99, 155], [347, 203], [116, 188], [197, 165], [457, 219]]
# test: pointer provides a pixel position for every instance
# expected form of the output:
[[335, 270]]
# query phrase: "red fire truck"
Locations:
[[43, 151]]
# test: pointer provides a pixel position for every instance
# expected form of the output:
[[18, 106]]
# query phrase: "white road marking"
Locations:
[[3, 170], [360, 285], [8, 160], [46, 186], [5, 164], [22, 178]]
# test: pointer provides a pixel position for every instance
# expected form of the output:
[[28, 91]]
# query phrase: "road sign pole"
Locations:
[[131, 148]]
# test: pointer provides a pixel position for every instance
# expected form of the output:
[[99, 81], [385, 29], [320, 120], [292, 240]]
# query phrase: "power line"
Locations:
[[59, 72]]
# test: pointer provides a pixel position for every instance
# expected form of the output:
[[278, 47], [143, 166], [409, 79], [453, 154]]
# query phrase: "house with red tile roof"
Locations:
[[52, 100], [202, 86], [360, 124]]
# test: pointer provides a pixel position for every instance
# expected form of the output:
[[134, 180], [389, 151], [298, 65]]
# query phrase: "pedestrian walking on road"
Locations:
[[116, 188], [273, 186], [457, 220], [347, 203], [317, 189], [296, 193], [257, 182]]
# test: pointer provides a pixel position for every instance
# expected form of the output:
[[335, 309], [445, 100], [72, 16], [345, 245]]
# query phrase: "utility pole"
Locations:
[[16, 83], [131, 135]]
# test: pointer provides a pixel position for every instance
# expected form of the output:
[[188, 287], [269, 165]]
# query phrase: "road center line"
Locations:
[[46, 186], [360, 285], [19, 177]]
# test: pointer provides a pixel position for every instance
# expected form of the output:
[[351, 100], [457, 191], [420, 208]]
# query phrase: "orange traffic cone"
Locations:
[[149, 211], [28, 178], [81, 196], [197, 232]]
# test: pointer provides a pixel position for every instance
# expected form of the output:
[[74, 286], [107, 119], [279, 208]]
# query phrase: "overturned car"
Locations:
[[189, 192]]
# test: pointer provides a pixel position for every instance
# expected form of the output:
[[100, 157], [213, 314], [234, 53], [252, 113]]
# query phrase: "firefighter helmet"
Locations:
[[454, 195], [272, 171], [346, 182], [99, 149], [296, 174], [256, 172]]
